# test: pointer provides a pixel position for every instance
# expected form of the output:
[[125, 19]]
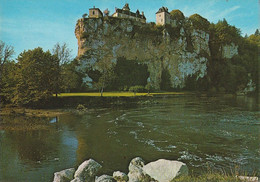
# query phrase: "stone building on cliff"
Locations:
[[95, 13], [163, 17], [126, 13]]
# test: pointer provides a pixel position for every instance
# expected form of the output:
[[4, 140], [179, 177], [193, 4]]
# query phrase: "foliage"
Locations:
[[174, 32], [8, 81], [129, 73], [198, 22], [37, 77], [62, 52], [137, 88], [165, 83], [177, 15], [148, 30], [7, 70], [84, 35], [233, 74], [106, 72], [71, 79], [6, 52], [223, 33]]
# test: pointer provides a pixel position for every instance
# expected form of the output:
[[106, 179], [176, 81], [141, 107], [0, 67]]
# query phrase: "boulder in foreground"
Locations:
[[87, 170], [165, 170], [65, 175]]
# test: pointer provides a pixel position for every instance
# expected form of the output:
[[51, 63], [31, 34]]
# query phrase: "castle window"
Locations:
[[161, 20], [159, 15], [93, 12]]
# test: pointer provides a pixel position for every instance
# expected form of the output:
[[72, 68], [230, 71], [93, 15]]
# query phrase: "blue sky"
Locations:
[[27, 24]]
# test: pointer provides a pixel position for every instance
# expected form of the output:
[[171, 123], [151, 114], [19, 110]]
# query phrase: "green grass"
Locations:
[[116, 94], [210, 177]]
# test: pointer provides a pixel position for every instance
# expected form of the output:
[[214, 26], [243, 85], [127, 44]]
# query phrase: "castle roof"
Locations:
[[162, 9]]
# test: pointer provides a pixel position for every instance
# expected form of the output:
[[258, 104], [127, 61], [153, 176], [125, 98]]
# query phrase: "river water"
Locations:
[[216, 132]]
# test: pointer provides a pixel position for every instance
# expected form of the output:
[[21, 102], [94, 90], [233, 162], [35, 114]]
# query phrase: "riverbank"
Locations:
[[161, 170], [69, 101]]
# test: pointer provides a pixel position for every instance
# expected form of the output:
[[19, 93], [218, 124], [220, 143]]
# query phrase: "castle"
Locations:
[[119, 13], [163, 17]]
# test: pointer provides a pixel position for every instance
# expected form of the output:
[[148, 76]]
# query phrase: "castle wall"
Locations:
[[121, 15]]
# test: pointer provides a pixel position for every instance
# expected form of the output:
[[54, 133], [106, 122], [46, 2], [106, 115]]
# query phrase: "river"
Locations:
[[217, 132]]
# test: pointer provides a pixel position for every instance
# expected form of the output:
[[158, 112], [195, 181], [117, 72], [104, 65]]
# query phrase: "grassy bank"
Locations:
[[216, 177], [117, 94]]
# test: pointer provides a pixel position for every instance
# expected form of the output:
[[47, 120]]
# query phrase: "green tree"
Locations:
[[106, 74], [71, 79], [8, 82], [37, 75]]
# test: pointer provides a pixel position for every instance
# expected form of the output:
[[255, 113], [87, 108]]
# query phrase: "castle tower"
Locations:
[[163, 16], [95, 13]]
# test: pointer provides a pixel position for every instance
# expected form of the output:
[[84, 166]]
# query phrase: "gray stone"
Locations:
[[120, 176], [135, 163], [64, 175], [136, 173], [87, 170], [165, 170], [104, 178]]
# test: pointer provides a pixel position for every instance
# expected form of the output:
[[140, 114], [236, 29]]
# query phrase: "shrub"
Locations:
[[137, 88], [199, 22], [177, 15]]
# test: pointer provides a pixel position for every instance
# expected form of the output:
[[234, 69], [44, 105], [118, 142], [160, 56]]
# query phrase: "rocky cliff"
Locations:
[[181, 51]]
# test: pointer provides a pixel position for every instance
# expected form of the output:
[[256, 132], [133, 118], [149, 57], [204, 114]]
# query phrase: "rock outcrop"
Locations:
[[180, 51]]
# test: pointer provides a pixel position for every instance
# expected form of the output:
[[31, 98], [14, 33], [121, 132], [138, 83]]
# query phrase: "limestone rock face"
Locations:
[[228, 51], [165, 170], [77, 180], [120, 176], [181, 52], [64, 175], [104, 178], [87, 170]]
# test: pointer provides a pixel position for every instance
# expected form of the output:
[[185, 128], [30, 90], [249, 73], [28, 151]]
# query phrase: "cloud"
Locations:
[[226, 12]]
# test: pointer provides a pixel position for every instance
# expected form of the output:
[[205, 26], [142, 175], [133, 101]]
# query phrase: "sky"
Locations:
[[27, 24]]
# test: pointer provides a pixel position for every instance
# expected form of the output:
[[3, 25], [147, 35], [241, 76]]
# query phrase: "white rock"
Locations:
[[248, 178], [120, 176], [165, 170], [228, 51], [104, 178], [64, 175], [77, 180], [87, 170]]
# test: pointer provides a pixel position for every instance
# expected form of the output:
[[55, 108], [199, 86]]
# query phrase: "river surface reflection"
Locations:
[[221, 132]]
